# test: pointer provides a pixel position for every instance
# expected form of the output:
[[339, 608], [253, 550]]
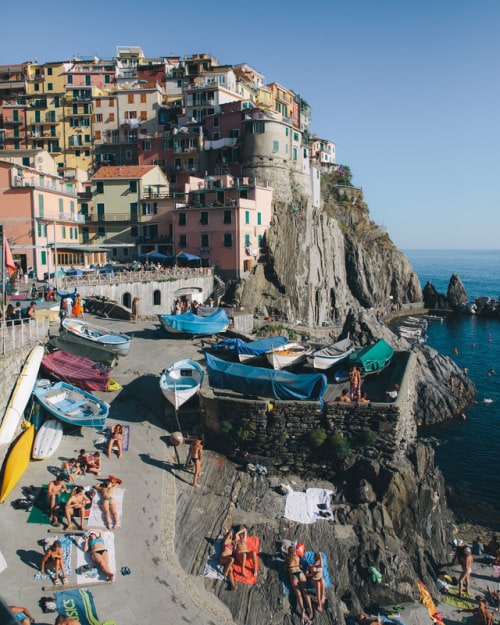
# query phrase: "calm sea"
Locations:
[[469, 453]]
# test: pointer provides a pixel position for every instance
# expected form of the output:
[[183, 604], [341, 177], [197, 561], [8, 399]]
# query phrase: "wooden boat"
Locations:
[[72, 405], [189, 323], [81, 332], [17, 461], [21, 395], [372, 358], [47, 439], [330, 355], [288, 355], [181, 381], [77, 370]]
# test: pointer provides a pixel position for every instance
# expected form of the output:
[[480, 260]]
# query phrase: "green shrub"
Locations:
[[226, 427], [338, 447], [317, 437], [367, 437]]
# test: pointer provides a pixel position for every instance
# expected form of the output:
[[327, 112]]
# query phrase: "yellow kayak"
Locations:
[[17, 461]]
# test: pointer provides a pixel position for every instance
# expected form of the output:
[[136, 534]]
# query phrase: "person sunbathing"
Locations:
[[226, 558], [95, 546], [76, 503], [315, 575], [298, 582], [22, 615], [116, 440], [53, 559], [70, 469], [108, 504], [94, 463], [241, 551]]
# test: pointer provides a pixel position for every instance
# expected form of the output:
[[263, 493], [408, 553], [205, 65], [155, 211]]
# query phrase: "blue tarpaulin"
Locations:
[[251, 348], [196, 324]]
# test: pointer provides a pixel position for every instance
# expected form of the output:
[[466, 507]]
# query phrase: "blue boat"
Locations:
[[72, 405], [252, 350], [260, 382], [372, 358], [189, 323]]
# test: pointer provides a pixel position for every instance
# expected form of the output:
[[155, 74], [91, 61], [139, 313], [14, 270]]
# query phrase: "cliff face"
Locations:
[[322, 260]]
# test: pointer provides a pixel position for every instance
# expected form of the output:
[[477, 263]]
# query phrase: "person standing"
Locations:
[[466, 563], [196, 453], [55, 488], [135, 308], [355, 383]]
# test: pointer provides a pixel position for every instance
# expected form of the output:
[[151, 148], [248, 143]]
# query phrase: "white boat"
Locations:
[[410, 332], [47, 439], [181, 381], [21, 395], [330, 355], [83, 333], [288, 355]]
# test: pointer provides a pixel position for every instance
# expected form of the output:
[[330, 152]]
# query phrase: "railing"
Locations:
[[28, 333], [124, 277], [20, 181], [69, 217]]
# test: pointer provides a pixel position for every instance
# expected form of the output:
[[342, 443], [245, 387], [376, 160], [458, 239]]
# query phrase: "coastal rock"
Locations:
[[457, 295], [432, 299]]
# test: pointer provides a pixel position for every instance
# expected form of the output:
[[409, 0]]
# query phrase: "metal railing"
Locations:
[[30, 332], [124, 277]]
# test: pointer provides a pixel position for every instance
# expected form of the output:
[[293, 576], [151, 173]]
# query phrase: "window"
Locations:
[[107, 78], [87, 80], [143, 98], [63, 231], [216, 136], [133, 211], [247, 217], [257, 127], [144, 116], [259, 240], [182, 219], [130, 98], [49, 71], [84, 208], [244, 194], [98, 117], [227, 217], [70, 79], [111, 117], [294, 154], [146, 146], [204, 240], [72, 207], [50, 86], [228, 240], [40, 205], [216, 122], [132, 185], [276, 146], [247, 240], [61, 205], [44, 258], [204, 218], [259, 219], [128, 155], [182, 240], [150, 208], [157, 298], [295, 136], [99, 187], [101, 232], [97, 134], [100, 211]]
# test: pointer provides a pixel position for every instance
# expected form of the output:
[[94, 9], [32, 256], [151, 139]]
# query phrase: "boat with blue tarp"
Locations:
[[189, 323], [251, 350], [372, 358]]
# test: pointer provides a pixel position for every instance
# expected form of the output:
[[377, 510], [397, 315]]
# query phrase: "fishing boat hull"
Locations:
[[76, 370], [198, 325], [331, 355], [72, 405], [21, 395], [47, 439], [289, 355], [181, 381], [17, 461], [372, 358], [85, 334]]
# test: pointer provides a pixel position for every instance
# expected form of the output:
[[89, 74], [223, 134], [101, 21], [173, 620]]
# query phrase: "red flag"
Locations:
[[9, 261]]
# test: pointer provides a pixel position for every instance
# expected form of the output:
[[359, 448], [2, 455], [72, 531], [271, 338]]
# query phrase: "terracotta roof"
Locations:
[[120, 171]]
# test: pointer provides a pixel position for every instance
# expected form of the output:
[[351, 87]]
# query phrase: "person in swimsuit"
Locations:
[[298, 582], [116, 440], [55, 488], [108, 504], [53, 559], [355, 383], [226, 558], [315, 575], [23, 615], [94, 544], [94, 463], [196, 453], [70, 469], [76, 503], [241, 551]]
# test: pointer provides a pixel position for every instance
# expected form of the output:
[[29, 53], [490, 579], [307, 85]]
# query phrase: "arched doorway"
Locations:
[[127, 300]]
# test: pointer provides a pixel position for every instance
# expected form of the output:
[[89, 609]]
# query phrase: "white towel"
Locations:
[[96, 516], [212, 568], [305, 507], [83, 558]]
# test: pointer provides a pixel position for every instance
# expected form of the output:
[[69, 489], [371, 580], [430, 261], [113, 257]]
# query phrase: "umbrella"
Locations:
[[155, 256], [186, 256]]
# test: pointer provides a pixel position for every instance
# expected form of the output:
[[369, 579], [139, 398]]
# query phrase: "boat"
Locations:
[[72, 405], [372, 358], [288, 355], [189, 323], [262, 382], [331, 355], [77, 370], [21, 395], [250, 351], [181, 381], [47, 439], [86, 334], [17, 461]]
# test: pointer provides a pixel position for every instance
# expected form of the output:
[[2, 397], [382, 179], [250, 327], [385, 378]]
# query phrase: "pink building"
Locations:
[[223, 220]]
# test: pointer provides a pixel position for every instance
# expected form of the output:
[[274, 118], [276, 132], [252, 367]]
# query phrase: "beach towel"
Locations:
[[67, 548], [308, 507], [39, 511], [462, 603], [77, 603], [96, 516], [125, 439], [496, 569], [253, 544], [87, 573], [307, 559], [213, 569]]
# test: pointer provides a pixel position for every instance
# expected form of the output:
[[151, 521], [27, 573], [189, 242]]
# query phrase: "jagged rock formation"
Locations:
[[323, 260], [432, 299], [457, 295]]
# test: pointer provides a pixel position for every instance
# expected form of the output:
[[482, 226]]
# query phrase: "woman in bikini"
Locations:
[[298, 581], [108, 504], [241, 551], [94, 544], [315, 575], [116, 440], [53, 559], [226, 558]]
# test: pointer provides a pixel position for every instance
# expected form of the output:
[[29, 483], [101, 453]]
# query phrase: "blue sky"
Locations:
[[409, 91]]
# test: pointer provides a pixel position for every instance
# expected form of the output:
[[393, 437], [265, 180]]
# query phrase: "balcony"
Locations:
[[38, 104], [114, 217], [11, 121], [85, 195], [36, 183], [36, 78], [62, 217], [145, 195]]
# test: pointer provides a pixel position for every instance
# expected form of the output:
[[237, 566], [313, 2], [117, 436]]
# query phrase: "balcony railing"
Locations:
[[145, 196], [20, 181], [10, 121], [102, 218], [61, 217]]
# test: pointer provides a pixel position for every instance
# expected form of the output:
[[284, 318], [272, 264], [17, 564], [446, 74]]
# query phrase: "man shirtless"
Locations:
[[56, 487], [355, 383], [76, 503]]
